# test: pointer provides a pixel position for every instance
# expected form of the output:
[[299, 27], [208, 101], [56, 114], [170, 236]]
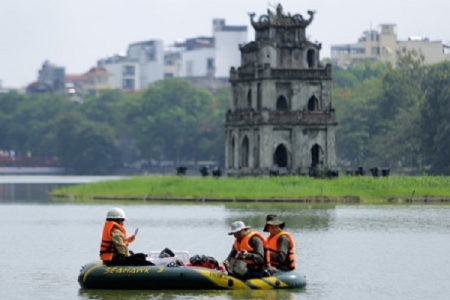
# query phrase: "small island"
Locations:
[[301, 189]]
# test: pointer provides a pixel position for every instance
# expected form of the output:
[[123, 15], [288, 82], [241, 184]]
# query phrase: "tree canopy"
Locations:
[[393, 116]]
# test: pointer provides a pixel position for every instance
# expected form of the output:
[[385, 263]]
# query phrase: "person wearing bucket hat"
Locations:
[[248, 252], [280, 245]]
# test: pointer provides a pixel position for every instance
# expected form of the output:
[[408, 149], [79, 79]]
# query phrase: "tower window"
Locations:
[[282, 104], [311, 58], [313, 104]]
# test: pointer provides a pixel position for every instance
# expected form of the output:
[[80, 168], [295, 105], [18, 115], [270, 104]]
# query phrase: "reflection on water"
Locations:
[[35, 188], [26, 192], [358, 252], [298, 216], [189, 295]]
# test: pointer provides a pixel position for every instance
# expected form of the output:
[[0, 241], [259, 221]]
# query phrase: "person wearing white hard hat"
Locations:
[[114, 245], [248, 258]]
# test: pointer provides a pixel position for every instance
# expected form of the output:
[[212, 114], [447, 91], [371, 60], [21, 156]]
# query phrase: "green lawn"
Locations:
[[365, 188]]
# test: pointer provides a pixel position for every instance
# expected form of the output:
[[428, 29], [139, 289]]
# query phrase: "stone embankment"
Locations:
[[218, 200], [421, 200]]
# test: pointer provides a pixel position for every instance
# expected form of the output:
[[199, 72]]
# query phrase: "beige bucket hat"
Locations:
[[237, 226]]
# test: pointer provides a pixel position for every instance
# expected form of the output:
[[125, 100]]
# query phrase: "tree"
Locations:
[[435, 118], [394, 134], [170, 121], [354, 108], [84, 146]]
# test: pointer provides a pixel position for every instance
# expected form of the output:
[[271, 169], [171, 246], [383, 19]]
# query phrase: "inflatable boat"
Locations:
[[169, 274], [96, 275]]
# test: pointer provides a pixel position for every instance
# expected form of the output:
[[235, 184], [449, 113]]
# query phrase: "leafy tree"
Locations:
[[394, 134], [354, 108], [84, 146], [435, 118], [170, 120], [30, 122]]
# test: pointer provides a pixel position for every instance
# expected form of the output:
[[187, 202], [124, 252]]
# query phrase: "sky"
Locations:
[[76, 33]]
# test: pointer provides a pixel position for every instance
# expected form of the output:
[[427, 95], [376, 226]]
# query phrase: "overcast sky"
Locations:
[[75, 33]]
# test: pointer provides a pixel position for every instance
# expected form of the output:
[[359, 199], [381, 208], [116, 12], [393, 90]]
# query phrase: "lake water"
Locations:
[[346, 251]]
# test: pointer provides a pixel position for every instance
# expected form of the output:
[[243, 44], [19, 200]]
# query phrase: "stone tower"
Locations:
[[281, 118]]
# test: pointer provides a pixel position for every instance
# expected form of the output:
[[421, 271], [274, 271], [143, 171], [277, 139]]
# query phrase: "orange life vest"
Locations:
[[107, 248], [273, 249], [244, 245]]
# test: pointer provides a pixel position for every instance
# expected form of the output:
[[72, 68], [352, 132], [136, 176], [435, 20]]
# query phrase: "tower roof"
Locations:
[[279, 19]]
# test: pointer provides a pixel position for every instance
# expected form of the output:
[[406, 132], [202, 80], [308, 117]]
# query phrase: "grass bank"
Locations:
[[364, 189]]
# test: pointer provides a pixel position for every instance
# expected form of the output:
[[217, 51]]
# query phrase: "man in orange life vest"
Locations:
[[280, 245], [114, 245], [248, 247]]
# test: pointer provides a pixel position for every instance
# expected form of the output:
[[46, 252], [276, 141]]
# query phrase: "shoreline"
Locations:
[[319, 199]]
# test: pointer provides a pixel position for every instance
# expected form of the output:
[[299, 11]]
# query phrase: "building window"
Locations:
[[316, 156], [311, 58], [280, 157], [150, 53], [128, 71], [282, 104], [231, 161], [375, 50], [128, 84], [313, 104], [210, 64], [245, 152], [249, 99], [189, 68], [259, 97]]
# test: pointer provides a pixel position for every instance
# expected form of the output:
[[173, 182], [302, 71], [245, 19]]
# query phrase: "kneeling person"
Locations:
[[248, 250], [280, 245], [114, 245]]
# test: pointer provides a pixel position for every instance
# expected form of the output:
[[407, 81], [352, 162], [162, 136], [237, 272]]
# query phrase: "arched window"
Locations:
[[316, 156], [231, 154], [313, 104], [259, 97], [256, 154], [245, 152], [282, 104], [249, 99], [280, 157], [311, 58]]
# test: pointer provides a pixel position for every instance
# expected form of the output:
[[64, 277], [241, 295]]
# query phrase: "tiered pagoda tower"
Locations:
[[281, 118]]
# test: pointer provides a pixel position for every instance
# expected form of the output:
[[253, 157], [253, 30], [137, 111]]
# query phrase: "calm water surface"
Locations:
[[346, 252]]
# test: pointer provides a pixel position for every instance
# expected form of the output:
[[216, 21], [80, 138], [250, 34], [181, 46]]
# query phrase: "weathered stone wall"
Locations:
[[281, 108]]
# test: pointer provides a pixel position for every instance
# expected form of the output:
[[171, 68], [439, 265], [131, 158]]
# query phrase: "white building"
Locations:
[[383, 45], [212, 56], [124, 74], [149, 56]]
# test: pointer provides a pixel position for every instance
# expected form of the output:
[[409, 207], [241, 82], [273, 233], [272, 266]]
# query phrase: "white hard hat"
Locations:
[[116, 213]]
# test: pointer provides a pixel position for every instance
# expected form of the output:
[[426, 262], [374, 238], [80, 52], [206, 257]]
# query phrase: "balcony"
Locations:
[[250, 117], [266, 72]]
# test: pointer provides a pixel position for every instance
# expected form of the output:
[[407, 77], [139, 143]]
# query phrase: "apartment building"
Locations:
[[149, 59], [382, 45], [212, 57], [51, 79], [125, 74], [97, 80]]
